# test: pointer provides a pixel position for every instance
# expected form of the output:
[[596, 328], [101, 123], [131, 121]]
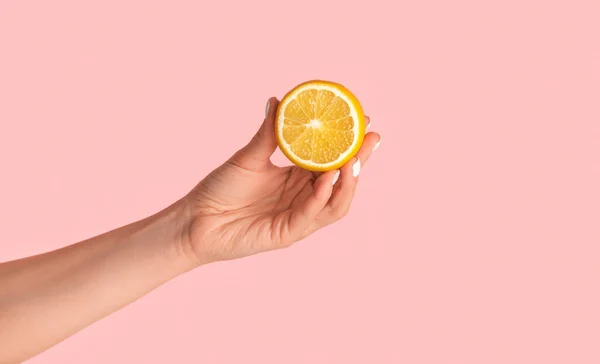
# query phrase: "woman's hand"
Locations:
[[248, 205]]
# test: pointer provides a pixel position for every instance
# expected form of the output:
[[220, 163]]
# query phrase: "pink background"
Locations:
[[474, 237]]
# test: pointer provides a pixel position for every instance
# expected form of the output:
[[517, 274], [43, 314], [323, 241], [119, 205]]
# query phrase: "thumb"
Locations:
[[258, 151]]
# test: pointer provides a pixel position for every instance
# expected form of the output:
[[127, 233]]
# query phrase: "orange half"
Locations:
[[320, 125]]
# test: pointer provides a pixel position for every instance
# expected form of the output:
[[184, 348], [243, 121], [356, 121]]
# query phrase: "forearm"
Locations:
[[47, 298]]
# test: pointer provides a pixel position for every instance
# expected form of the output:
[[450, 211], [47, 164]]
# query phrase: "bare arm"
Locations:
[[49, 297]]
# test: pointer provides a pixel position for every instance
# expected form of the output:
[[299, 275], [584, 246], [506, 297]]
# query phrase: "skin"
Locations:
[[244, 207]]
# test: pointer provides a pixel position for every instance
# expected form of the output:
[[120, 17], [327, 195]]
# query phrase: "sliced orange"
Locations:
[[320, 125]]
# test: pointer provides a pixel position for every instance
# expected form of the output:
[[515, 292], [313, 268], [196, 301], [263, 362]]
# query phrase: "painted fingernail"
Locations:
[[356, 168], [377, 144], [267, 108], [335, 177]]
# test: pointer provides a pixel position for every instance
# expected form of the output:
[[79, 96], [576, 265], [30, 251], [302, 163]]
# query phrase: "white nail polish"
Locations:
[[356, 168], [335, 177], [377, 144], [267, 108]]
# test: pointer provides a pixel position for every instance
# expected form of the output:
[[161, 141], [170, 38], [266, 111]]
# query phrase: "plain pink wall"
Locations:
[[475, 232]]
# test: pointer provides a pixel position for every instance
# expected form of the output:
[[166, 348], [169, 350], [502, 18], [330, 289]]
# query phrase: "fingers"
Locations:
[[257, 153], [331, 195], [343, 191], [302, 216]]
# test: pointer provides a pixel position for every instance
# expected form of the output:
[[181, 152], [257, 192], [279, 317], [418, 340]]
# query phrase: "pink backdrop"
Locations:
[[474, 237]]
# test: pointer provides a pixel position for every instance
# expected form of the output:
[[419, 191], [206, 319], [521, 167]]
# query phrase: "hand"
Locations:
[[248, 205], [244, 207]]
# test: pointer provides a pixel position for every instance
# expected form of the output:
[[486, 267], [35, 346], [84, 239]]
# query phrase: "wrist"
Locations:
[[169, 229]]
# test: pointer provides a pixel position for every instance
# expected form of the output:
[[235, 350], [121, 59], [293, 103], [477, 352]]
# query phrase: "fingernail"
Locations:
[[335, 177], [267, 108], [356, 168], [377, 144], [368, 126]]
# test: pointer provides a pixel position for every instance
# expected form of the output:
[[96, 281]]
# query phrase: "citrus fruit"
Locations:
[[320, 125]]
